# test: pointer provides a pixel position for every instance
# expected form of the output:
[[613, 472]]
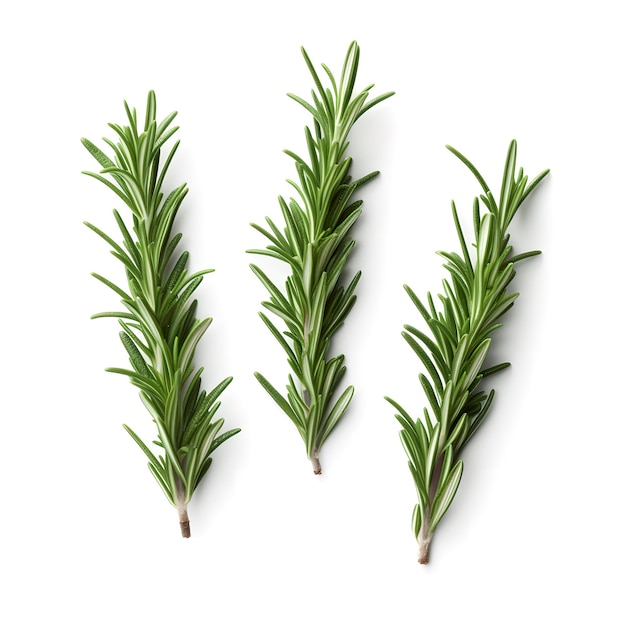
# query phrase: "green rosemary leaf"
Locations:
[[290, 320], [446, 465], [277, 297], [163, 170], [135, 356], [404, 416], [277, 239], [203, 470], [312, 110], [162, 138], [335, 415], [471, 167], [477, 359], [176, 272], [494, 370], [118, 290], [163, 125], [425, 433], [135, 339], [477, 421], [146, 383], [280, 401], [171, 416], [143, 446], [416, 521], [102, 158], [312, 427], [201, 453], [164, 437], [218, 441], [130, 245], [328, 107], [296, 401], [418, 303], [132, 272], [162, 482], [445, 494], [179, 311], [180, 319], [420, 486], [524, 255], [509, 172], [118, 314], [430, 394], [455, 350], [279, 337], [439, 359], [338, 261], [296, 233], [111, 186], [202, 410], [425, 359], [458, 270], [412, 447], [373, 102], [447, 413], [433, 451], [308, 172], [193, 395], [533, 184], [334, 372], [459, 357], [110, 241], [458, 434], [189, 347]]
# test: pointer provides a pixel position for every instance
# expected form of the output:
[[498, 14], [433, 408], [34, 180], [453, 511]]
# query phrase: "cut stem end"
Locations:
[[423, 556], [185, 528], [317, 468]]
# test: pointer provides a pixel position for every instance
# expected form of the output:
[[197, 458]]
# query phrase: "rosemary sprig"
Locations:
[[474, 300], [315, 243], [159, 327]]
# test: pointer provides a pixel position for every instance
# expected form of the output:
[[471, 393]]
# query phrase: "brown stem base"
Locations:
[[317, 468], [185, 528], [424, 548]]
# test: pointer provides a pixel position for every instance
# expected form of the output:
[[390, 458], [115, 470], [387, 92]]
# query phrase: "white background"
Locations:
[[535, 534]]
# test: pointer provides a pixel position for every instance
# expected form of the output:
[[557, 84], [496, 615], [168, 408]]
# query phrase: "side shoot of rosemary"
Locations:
[[455, 344], [159, 328], [315, 242]]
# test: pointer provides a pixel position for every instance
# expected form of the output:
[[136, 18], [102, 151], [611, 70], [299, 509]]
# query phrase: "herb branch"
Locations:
[[454, 351], [160, 330], [315, 242]]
